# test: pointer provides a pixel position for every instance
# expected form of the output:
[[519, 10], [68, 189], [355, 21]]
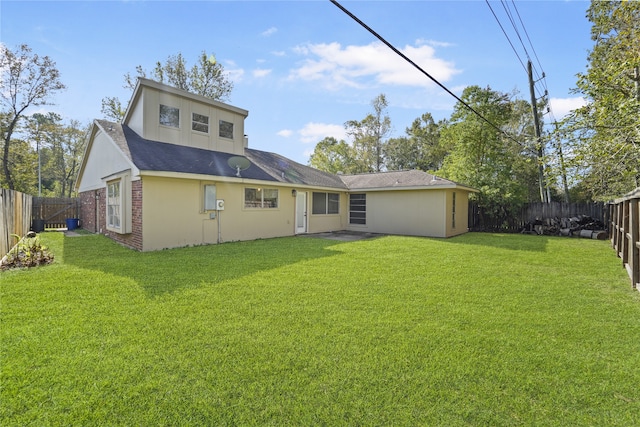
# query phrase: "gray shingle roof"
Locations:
[[148, 155], [394, 179]]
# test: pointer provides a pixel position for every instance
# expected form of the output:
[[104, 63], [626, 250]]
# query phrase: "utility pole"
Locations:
[[536, 120]]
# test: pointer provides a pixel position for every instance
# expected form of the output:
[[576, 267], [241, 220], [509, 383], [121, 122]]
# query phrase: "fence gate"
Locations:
[[52, 212]]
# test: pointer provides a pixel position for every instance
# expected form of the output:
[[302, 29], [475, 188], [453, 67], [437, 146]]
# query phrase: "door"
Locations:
[[301, 212]]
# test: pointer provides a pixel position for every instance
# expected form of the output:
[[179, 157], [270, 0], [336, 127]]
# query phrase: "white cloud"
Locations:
[[562, 106], [279, 53], [316, 132], [434, 43], [286, 133], [336, 66], [271, 31], [235, 75], [261, 72]]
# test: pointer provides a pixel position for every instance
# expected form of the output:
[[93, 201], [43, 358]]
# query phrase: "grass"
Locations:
[[481, 329]]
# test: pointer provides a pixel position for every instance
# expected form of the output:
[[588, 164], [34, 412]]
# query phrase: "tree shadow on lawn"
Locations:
[[169, 270], [515, 242]]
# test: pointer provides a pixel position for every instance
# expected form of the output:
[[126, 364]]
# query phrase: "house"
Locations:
[[177, 171]]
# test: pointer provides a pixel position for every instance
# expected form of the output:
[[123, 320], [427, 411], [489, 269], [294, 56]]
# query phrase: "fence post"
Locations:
[[633, 247]]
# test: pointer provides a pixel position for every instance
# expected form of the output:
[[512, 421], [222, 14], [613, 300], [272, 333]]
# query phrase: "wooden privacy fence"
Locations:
[[15, 208], [52, 212], [516, 222], [625, 233]]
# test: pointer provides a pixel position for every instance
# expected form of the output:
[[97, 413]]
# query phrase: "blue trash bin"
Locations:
[[72, 223]]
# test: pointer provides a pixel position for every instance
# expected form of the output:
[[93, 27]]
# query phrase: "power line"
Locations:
[[524, 67], [406, 58], [528, 38], [540, 76]]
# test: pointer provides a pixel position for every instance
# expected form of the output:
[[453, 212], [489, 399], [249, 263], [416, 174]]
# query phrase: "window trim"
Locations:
[[124, 199], [453, 211], [220, 122], [169, 125], [195, 122], [114, 205], [362, 213], [326, 208], [262, 202]]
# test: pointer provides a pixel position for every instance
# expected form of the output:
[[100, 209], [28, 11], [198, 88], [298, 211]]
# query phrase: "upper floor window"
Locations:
[[200, 122], [169, 116], [226, 129]]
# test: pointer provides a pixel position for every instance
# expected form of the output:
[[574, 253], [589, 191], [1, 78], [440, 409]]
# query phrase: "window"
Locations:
[[200, 122], [325, 203], [226, 129], [118, 203], [358, 209], [453, 214], [169, 116], [114, 205], [260, 198]]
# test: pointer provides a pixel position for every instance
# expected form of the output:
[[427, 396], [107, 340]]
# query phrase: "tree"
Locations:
[[484, 157], [60, 149], [368, 136], [421, 148], [207, 78], [605, 134], [333, 156], [28, 80]]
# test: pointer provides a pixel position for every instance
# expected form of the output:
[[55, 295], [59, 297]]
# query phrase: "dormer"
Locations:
[[163, 113]]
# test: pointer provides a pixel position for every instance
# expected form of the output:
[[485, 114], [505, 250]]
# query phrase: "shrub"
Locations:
[[29, 252]]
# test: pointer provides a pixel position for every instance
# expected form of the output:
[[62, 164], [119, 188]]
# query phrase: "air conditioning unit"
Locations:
[[219, 205]]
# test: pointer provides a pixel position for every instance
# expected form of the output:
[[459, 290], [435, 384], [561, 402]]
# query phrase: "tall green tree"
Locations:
[[420, 149], [369, 136], [333, 156], [27, 80], [605, 134], [482, 156], [206, 77]]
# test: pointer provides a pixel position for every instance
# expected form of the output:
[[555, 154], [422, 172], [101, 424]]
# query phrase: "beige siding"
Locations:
[[103, 159], [150, 100], [461, 214], [173, 214], [415, 213], [332, 222]]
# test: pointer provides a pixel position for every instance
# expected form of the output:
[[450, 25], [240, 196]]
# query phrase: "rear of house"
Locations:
[[178, 172]]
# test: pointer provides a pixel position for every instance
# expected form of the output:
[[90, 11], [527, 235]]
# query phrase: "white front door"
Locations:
[[301, 212]]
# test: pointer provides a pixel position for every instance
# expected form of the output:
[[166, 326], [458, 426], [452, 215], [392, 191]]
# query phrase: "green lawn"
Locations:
[[481, 329]]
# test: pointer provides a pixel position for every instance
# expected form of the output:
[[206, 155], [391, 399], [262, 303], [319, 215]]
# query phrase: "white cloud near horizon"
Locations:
[[563, 106], [313, 133], [336, 66]]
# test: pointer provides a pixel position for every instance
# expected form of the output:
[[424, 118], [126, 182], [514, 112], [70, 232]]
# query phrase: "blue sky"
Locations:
[[304, 68]]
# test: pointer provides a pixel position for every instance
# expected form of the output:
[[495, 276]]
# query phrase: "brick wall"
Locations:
[[88, 203], [93, 206]]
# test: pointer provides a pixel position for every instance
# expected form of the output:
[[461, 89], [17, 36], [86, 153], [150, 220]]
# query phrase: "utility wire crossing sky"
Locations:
[[304, 68]]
